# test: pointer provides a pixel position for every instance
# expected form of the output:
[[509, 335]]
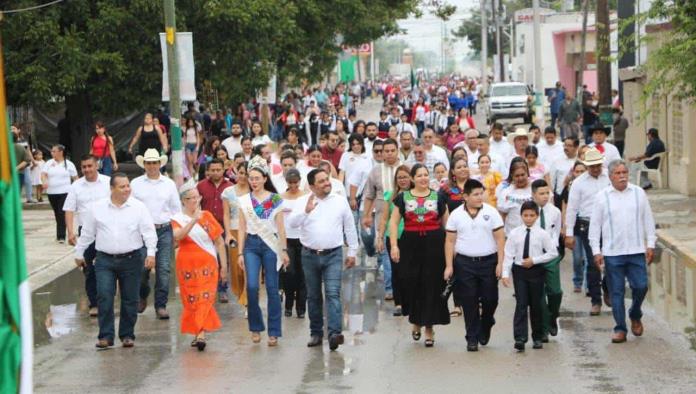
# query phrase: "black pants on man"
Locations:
[[293, 280], [529, 292], [476, 287], [594, 276]]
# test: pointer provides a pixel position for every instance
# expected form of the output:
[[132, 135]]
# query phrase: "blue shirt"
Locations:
[[556, 101]]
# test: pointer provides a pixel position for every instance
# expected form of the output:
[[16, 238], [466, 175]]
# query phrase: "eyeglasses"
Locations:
[[377, 151]]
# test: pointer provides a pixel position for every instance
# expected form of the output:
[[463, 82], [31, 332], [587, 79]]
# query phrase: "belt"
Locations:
[[163, 225], [479, 258], [321, 252], [120, 255]]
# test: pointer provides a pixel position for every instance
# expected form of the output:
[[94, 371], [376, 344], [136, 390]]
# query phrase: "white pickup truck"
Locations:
[[506, 100]]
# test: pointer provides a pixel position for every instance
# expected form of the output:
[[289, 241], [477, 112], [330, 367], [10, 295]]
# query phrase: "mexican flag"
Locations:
[[16, 336]]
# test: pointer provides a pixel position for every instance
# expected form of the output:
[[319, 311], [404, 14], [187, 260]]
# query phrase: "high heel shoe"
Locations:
[[430, 342], [200, 344]]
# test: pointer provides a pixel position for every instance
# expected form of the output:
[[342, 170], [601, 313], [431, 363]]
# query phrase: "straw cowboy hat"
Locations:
[[519, 132], [593, 157], [149, 156]]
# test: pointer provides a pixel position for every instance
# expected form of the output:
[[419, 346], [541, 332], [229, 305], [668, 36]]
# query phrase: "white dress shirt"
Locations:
[[160, 196], [83, 193], [510, 200], [542, 248], [475, 234], [548, 154], [558, 171], [233, 145], [117, 230], [581, 198], [502, 148], [325, 226], [623, 221], [552, 220], [611, 153]]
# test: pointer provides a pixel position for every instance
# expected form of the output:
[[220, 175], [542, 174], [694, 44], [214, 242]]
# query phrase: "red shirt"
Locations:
[[211, 197], [334, 157]]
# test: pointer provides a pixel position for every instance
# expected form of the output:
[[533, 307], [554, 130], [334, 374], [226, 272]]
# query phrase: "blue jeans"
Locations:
[[587, 134], [107, 166], [163, 262], [620, 268], [578, 266], [327, 269], [383, 258], [257, 255], [126, 271]]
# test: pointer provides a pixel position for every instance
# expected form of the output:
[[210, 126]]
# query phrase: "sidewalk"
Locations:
[[46, 258]]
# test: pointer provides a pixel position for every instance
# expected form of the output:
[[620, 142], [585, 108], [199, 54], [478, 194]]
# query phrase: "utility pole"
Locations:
[[174, 100], [484, 46], [499, 40], [494, 16], [538, 71]]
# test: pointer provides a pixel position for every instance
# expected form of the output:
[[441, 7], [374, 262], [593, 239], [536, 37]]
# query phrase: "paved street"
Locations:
[[379, 355]]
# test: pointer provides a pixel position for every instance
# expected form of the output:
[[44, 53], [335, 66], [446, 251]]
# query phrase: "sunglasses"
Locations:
[[377, 151]]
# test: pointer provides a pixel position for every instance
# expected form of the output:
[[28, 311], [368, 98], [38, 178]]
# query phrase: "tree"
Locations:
[[671, 65]]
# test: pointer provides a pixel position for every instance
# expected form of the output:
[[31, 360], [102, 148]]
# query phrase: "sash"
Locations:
[[198, 234], [263, 228]]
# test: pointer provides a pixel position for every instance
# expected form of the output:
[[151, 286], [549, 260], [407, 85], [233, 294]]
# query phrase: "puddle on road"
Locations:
[[58, 308]]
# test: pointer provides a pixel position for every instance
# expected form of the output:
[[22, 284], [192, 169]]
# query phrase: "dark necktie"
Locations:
[[542, 219], [525, 252]]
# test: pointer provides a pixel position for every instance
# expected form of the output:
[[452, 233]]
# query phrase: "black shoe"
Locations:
[[300, 314], [335, 340], [538, 345], [200, 344], [545, 338], [397, 311], [472, 347], [553, 328], [315, 340], [519, 345], [484, 336], [288, 312]]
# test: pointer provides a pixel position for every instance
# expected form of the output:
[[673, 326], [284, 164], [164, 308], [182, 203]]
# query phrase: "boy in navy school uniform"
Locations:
[[527, 249], [549, 221]]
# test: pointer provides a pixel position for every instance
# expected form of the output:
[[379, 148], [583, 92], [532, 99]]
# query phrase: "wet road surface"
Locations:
[[379, 355]]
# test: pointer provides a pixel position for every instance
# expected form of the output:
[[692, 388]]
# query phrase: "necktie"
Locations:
[[525, 252], [542, 220], [600, 148]]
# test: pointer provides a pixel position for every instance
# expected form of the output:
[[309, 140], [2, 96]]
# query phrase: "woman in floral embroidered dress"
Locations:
[[200, 243], [262, 240], [421, 254]]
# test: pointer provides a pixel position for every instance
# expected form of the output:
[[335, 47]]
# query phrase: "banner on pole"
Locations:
[[187, 80]]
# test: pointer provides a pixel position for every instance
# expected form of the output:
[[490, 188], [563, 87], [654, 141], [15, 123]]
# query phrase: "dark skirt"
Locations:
[[422, 265]]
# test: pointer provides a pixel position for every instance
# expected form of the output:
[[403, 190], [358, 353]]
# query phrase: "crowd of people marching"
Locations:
[[439, 204]]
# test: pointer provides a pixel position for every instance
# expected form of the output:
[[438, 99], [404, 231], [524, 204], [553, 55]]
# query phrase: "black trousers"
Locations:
[[293, 280], [475, 284], [529, 292], [395, 277], [594, 275], [57, 201]]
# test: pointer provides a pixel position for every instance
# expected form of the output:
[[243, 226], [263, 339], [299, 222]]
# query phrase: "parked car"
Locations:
[[506, 100]]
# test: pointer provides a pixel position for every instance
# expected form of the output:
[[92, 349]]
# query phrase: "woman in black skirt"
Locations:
[[420, 252]]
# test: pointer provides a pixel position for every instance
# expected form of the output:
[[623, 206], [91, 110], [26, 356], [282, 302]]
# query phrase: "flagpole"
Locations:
[[25, 315]]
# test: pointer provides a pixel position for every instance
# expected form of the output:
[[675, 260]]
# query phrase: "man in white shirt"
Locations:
[[91, 187], [561, 167], [622, 237], [473, 255], [125, 235], [499, 145], [233, 143], [550, 149], [371, 131], [406, 148], [599, 142], [160, 196], [471, 144], [434, 154], [324, 220], [581, 200], [497, 162], [404, 125]]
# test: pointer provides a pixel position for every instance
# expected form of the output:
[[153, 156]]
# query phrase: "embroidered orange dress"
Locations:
[[197, 273]]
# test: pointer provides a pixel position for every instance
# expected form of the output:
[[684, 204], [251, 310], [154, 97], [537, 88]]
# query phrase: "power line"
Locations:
[[36, 7]]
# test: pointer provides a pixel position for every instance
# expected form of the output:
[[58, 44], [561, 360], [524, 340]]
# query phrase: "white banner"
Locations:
[[184, 49]]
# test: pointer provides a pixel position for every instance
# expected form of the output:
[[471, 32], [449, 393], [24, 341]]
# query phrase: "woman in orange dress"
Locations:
[[200, 243]]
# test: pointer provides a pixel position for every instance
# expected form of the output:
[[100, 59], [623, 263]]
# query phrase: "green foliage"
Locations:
[[671, 65]]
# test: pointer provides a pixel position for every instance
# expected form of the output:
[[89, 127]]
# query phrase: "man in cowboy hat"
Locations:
[[160, 196], [519, 141], [581, 201], [599, 142]]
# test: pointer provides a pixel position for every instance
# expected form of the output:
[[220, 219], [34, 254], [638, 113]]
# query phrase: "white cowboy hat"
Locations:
[[151, 155], [519, 132], [593, 157]]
